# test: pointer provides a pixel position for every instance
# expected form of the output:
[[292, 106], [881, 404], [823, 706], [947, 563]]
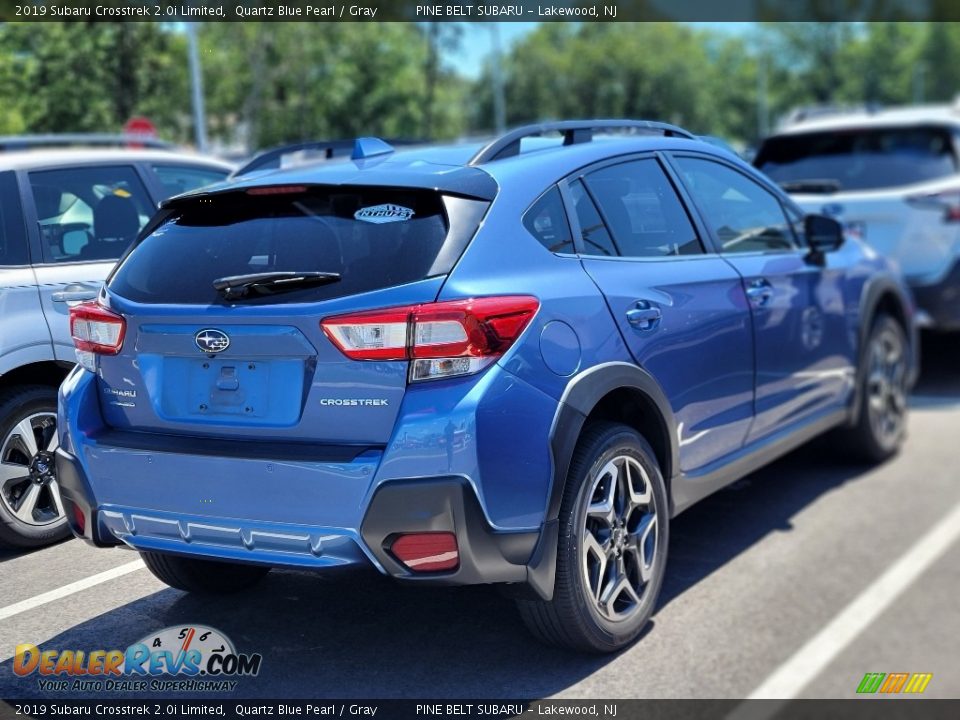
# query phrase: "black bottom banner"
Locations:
[[852, 709]]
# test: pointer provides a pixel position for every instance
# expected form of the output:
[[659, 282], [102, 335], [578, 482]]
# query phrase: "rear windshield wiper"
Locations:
[[270, 283], [814, 185]]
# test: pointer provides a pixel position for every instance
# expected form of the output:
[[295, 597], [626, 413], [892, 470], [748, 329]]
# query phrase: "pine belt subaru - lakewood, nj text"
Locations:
[[511, 363]]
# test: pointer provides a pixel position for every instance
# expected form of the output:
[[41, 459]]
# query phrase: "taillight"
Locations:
[[443, 339], [947, 202], [95, 331], [427, 552]]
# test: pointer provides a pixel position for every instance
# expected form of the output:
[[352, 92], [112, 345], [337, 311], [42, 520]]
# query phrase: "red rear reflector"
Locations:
[[277, 190], [427, 552], [79, 519], [96, 329]]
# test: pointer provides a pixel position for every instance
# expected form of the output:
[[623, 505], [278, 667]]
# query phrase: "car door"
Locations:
[[24, 337], [83, 219], [681, 311], [797, 303]]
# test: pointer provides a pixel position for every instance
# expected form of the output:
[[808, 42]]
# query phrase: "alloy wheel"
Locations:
[[886, 386], [28, 482], [619, 538]]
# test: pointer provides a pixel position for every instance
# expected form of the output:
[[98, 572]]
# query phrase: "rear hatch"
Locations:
[[894, 187], [252, 362]]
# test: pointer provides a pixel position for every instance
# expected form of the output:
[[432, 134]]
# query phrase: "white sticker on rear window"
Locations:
[[383, 213]]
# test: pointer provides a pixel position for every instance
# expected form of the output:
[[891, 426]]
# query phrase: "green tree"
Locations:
[[85, 77], [283, 82], [940, 55], [637, 70]]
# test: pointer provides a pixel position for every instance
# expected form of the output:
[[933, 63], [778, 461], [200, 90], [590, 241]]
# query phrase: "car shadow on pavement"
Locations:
[[13, 553], [362, 636], [939, 383]]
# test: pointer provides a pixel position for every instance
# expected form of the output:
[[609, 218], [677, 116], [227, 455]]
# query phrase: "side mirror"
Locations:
[[824, 234]]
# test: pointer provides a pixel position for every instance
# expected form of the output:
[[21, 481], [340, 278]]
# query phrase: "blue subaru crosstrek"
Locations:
[[507, 364]]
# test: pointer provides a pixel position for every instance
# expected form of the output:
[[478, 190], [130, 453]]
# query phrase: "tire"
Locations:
[[880, 425], [575, 618], [31, 511], [208, 577]]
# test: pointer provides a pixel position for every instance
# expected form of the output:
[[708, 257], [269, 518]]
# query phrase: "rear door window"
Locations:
[[90, 213], [642, 210], [373, 238], [859, 159], [13, 238], [593, 233], [177, 179]]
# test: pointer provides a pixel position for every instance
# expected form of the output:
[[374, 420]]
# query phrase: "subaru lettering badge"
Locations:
[[212, 341]]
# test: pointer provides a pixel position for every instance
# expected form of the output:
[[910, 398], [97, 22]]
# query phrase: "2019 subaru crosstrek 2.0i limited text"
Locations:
[[508, 364]]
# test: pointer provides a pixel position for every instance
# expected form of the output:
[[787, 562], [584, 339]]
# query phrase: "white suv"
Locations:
[[66, 215], [893, 178]]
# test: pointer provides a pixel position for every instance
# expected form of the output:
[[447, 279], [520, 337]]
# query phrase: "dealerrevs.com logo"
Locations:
[[180, 658]]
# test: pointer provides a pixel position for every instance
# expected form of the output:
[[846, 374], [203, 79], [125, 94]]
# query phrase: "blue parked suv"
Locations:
[[507, 364]]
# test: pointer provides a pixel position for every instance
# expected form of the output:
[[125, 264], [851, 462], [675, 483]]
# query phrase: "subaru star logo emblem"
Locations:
[[212, 341]]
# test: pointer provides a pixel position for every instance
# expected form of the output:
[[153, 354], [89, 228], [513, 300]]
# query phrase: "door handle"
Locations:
[[69, 296], [759, 292], [76, 292], [644, 316]]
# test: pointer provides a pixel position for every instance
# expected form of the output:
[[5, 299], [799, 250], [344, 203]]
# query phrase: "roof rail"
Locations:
[[314, 150], [574, 132], [273, 158], [31, 142]]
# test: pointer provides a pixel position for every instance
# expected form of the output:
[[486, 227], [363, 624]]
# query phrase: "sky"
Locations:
[[476, 42]]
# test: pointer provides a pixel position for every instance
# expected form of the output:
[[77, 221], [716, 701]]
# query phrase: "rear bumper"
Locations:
[[104, 524], [438, 504], [940, 301]]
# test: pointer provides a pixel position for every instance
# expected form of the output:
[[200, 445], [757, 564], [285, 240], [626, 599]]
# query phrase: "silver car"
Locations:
[[65, 218]]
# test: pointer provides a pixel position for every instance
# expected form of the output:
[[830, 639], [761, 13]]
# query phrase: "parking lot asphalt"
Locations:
[[755, 575]]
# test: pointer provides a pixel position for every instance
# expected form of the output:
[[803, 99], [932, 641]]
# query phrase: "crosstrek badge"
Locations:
[[384, 213]]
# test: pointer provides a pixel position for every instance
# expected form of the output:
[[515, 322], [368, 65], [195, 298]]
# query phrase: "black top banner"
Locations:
[[427, 11]]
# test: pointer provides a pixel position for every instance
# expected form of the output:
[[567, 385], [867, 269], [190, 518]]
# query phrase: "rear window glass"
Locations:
[[374, 238], [867, 159]]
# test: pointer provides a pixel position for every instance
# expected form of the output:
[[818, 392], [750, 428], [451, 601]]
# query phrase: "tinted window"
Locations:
[[90, 213], [547, 222], [593, 233], [375, 238], [858, 159], [178, 179], [13, 239], [744, 216], [642, 210]]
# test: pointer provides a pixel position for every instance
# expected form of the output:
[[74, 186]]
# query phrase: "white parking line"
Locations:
[[811, 659], [74, 587]]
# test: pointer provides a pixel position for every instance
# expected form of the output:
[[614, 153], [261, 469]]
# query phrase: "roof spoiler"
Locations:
[[574, 132]]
